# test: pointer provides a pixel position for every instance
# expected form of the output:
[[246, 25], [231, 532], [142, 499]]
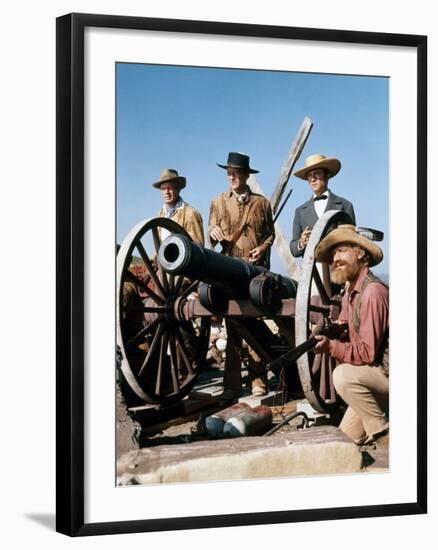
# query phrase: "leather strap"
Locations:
[[237, 233]]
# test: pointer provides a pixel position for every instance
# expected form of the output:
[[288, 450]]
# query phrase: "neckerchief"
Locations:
[[170, 210]]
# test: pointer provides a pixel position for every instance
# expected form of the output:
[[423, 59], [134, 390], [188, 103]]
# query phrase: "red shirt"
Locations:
[[374, 321]]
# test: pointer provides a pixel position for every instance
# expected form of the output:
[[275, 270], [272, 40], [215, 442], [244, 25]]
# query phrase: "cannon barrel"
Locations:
[[178, 255]]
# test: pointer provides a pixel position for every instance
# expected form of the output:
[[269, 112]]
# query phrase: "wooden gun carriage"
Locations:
[[163, 328]]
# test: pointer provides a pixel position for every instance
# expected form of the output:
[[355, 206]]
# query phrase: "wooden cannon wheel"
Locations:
[[160, 357], [314, 300]]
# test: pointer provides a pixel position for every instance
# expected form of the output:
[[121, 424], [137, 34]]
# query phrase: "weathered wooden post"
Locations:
[[288, 165]]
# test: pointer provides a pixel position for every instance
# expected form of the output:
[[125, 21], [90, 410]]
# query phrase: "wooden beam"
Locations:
[[292, 157]]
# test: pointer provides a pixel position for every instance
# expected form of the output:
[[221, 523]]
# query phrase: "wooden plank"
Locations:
[[292, 157]]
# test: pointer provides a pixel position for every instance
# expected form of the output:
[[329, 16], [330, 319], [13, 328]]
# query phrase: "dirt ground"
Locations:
[[187, 423]]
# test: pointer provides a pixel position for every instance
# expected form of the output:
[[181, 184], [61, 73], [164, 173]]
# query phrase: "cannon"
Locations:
[[164, 315], [222, 277]]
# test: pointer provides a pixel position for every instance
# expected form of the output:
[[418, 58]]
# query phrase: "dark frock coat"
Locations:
[[305, 216]]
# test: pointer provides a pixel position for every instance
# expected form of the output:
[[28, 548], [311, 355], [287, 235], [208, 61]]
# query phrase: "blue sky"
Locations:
[[190, 118]]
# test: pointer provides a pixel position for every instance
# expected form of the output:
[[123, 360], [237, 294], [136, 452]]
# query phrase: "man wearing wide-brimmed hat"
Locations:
[[170, 185], [241, 221], [317, 170], [361, 376]]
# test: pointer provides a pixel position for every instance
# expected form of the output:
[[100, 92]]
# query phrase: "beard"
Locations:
[[343, 273]]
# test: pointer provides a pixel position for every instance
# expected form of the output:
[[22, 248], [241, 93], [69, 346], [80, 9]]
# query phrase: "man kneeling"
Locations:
[[361, 377]]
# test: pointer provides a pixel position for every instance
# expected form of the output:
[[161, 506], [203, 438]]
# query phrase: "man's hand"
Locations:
[[217, 234], [323, 345], [304, 239], [255, 254]]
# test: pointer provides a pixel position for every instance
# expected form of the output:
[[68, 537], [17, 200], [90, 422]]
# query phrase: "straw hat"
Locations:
[[331, 164], [169, 174], [347, 234]]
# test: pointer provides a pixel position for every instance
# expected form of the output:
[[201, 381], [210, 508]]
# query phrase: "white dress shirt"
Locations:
[[321, 205]]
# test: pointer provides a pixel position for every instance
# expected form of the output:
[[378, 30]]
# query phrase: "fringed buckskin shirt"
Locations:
[[364, 347], [228, 213]]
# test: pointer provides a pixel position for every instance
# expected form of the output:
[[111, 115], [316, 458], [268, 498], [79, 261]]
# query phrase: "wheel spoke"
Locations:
[[326, 279], [316, 363], [323, 377], [163, 352], [332, 386], [130, 276], [150, 268], [150, 353], [174, 363], [143, 332], [325, 298], [157, 244], [157, 240], [171, 282], [182, 349], [190, 289], [178, 284]]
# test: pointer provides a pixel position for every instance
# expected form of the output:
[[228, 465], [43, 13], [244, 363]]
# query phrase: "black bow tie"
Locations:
[[320, 198]]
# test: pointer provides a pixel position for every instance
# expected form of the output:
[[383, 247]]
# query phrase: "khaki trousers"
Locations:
[[365, 389]]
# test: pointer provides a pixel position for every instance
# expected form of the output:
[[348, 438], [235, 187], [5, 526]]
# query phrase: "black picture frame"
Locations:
[[70, 272]]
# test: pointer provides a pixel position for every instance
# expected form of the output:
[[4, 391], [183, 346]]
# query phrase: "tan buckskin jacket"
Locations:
[[258, 230], [190, 220]]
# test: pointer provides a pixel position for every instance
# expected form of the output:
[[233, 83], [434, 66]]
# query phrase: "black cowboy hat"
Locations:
[[238, 160]]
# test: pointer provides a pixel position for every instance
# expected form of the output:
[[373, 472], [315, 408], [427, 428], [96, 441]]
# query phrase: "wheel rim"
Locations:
[[316, 370]]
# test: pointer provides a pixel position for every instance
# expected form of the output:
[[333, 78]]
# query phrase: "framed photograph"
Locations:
[[159, 115]]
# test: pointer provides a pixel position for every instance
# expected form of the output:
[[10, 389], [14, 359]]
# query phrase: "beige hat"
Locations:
[[169, 174], [347, 234], [331, 164]]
